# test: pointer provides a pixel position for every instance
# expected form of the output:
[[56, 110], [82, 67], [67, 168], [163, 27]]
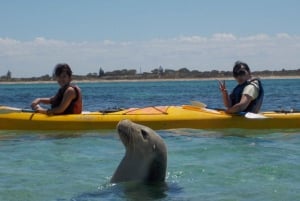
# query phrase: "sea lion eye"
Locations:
[[144, 134]]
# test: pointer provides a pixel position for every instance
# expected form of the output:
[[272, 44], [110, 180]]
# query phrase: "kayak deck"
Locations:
[[157, 117]]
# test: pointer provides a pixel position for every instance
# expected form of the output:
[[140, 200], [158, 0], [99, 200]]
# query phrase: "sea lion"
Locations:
[[145, 158]]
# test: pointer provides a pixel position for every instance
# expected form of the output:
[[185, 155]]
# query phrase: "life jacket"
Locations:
[[255, 104], [75, 106]]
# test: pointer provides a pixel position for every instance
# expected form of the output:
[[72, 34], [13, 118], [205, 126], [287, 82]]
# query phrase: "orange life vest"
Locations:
[[75, 106]]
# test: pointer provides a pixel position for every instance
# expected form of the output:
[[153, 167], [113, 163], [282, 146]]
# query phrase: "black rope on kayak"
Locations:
[[110, 110], [163, 112], [154, 107], [287, 111], [131, 110]]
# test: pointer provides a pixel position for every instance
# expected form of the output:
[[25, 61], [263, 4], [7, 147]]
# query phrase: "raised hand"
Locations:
[[222, 85]]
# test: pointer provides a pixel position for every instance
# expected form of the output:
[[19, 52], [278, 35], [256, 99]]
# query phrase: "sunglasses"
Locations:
[[239, 73]]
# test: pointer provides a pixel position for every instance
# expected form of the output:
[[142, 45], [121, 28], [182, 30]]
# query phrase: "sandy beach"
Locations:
[[143, 80]]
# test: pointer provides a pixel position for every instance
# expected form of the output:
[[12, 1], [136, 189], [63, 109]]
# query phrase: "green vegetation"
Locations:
[[158, 73]]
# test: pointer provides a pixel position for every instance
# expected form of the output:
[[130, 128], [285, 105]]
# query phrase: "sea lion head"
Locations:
[[146, 154]]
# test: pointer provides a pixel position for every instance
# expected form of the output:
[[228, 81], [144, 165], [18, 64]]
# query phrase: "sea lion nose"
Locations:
[[123, 122]]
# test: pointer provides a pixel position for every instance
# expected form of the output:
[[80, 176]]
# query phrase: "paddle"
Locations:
[[203, 106], [7, 109], [198, 104], [248, 115]]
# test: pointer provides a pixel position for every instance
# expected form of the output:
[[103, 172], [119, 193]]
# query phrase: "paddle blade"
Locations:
[[198, 104]]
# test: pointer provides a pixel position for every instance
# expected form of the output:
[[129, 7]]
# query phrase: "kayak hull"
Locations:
[[158, 118]]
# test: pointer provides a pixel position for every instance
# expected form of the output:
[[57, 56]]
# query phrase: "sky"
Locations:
[[201, 35]]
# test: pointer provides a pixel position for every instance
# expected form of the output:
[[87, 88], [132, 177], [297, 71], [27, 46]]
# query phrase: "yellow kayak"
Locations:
[[158, 117]]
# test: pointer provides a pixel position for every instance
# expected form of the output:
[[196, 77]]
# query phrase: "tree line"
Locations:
[[157, 73]]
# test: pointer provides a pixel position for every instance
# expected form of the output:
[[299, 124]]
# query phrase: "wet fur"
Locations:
[[145, 159]]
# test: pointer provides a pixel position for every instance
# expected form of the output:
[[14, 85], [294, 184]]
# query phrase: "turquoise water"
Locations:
[[202, 164]]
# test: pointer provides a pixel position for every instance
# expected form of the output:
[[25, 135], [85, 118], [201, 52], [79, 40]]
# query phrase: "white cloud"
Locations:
[[258, 37], [283, 36], [108, 42], [192, 39], [223, 37], [219, 51]]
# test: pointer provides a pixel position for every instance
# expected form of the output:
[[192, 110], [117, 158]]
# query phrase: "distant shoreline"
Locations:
[[142, 80]]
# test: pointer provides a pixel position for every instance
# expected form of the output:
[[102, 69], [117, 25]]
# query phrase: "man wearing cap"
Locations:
[[247, 96]]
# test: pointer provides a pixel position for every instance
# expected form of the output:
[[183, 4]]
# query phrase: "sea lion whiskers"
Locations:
[[132, 140], [139, 136], [126, 135]]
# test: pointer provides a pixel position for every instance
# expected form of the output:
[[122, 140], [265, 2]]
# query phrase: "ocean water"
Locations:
[[202, 164]]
